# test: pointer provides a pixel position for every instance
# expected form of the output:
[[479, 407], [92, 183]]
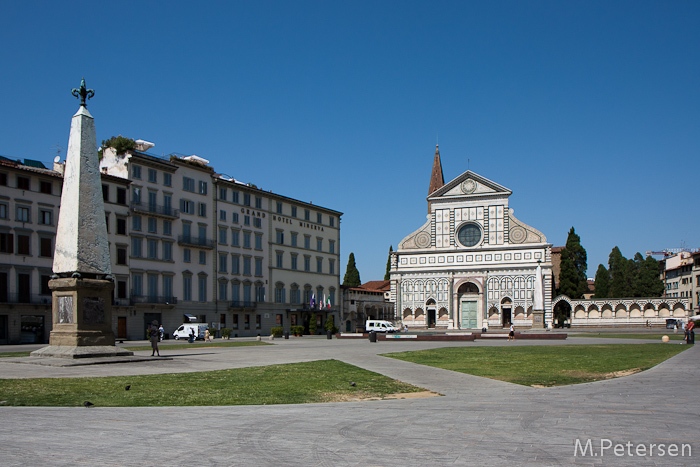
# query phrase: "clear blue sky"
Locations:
[[588, 111]]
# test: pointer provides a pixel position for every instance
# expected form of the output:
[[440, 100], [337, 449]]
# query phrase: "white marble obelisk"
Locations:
[[81, 237], [82, 285], [538, 298]]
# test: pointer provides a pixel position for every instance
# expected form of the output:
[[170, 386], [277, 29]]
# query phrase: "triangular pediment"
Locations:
[[468, 185]]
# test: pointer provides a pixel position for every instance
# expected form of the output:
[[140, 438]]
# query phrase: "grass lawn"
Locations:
[[195, 345], [657, 337], [296, 383], [546, 365], [15, 354]]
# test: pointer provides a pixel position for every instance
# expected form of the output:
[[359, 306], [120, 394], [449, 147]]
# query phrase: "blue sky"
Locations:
[[588, 111]]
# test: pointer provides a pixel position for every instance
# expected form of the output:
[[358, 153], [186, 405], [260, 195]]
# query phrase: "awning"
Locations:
[[190, 317]]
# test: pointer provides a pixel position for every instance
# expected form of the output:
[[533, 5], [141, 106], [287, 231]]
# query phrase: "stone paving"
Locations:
[[477, 422]]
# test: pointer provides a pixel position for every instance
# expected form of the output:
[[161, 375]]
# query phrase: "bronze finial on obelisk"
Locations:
[[83, 93]]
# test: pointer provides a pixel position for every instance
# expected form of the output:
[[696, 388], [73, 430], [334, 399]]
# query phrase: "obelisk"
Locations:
[[82, 283], [538, 298]]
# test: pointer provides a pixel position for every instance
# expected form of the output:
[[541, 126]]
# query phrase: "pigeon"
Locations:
[[87, 404], [128, 386], [352, 383]]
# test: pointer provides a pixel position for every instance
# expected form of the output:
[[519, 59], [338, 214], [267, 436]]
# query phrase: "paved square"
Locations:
[[477, 422]]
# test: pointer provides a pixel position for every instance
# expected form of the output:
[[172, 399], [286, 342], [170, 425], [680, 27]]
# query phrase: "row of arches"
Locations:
[[622, 309]]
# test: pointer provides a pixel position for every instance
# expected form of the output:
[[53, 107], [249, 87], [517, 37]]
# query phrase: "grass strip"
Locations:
[[544, 366], [196, 345], [295, 383], [671, 336], [21, 353]]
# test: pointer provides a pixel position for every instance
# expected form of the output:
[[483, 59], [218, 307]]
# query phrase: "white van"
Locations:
[[183, 332], [379, 326]]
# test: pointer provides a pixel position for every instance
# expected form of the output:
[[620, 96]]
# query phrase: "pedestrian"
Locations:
[[685, 333], [161, 333], [405, 328], [191, 335], [690, 333], [511, 334], [153, 336], [206, 335]]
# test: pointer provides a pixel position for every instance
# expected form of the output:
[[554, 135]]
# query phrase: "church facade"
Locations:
[[472, 264]]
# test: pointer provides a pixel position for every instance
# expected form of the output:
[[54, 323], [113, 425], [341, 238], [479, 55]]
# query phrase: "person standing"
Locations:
[[206, 335], [161, 333], [511, 334], [153, 335], [690, 333]]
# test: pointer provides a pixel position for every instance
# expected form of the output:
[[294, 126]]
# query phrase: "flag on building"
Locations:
[[312, 304]]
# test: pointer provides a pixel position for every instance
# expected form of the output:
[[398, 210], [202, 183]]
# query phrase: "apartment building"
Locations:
[[680, 274], [186, 243], [30, 196]]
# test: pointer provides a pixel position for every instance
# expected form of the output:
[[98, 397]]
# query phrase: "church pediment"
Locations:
[[468, 185]]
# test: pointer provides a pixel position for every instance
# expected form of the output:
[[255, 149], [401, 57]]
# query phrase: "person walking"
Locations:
[[206, 335], [511, 333], [153, 335], [161, 333], [690, 333]]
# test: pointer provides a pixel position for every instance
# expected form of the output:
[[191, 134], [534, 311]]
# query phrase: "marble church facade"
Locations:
[[472, 264]]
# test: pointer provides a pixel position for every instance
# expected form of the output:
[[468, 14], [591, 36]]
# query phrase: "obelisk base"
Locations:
[[82, 320], [538, 319]]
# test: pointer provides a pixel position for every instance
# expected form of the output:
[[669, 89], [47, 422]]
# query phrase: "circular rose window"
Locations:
[[469, 234]]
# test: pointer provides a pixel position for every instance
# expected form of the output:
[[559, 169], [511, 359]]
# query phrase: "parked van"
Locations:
[[379, 326], [183, 332]]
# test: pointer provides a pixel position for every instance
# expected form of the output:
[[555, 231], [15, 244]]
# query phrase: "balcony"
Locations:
[[242, 304], [197, 242], [155, 210], [25, 298], [152, 300]]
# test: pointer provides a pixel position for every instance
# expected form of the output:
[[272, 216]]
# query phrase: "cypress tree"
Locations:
[[388, 263], [352, 275], [572, 276], [648, 282], [620, 275], [602, 282]]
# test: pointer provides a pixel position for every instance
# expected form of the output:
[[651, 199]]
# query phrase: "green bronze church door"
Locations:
[[468, 308]]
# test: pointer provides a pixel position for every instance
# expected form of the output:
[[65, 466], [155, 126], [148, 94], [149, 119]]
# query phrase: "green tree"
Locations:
[[352, 275], [119, 143], [388, 264], [647, 282], [572, 275], [620, 275], [602, 282]]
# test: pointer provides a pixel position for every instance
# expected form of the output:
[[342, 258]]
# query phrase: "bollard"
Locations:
[[372, 336]]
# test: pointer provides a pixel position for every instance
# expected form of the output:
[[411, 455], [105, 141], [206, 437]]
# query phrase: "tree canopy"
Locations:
[[637, 277], [572, 274], [352, 275], [602, 282], [388, 264]]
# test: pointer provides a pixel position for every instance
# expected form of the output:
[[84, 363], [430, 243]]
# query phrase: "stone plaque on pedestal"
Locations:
[[538, 319]]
